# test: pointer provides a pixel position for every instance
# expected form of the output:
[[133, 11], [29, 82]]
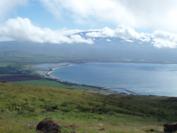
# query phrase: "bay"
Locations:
[[137, 78]]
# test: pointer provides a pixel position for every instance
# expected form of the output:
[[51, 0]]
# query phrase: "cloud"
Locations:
[[122, 32], [22, 29], [153, 14], [6, 6], [159, 39], [164, 39], [83, 10]]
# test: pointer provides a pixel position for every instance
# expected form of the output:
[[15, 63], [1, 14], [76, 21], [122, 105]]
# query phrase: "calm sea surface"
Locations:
[[145, 79]]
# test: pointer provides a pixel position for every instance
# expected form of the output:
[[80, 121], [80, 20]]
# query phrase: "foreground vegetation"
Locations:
[[24, 104]]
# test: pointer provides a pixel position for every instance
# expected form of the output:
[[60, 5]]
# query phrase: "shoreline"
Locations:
[[89, 87], [48, 75], [45, 71]]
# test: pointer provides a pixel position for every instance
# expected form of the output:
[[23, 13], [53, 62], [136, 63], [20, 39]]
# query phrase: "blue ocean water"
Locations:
[[143, 79]]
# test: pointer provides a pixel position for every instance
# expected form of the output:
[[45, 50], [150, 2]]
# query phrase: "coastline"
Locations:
[[47, 74]]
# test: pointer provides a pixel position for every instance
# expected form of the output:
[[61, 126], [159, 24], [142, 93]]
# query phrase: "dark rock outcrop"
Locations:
[[170, 128], [48, 126]]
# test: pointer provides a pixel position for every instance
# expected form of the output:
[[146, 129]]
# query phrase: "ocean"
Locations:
[[136, 78]]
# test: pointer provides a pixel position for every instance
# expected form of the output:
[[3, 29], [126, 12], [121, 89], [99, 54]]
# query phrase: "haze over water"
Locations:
[[144, 79]]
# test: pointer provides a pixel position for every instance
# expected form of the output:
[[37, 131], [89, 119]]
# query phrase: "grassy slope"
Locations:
[[24, 104]]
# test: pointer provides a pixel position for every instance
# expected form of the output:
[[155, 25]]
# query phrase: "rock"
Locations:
[[150, 130], [48, 126], [170, 128]]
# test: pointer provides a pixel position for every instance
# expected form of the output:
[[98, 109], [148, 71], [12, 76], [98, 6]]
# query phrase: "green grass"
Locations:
[[24, 104]]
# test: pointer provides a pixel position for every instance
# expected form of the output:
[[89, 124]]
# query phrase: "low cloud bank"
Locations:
[[22, 29]]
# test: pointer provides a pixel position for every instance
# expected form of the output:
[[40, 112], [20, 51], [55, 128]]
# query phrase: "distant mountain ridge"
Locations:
[[104, 49]]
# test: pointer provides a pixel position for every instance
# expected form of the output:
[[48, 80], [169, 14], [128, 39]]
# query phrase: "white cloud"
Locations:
[[21, 29], [164, 39], [154, 14], [159, 39], [7, 6], [105, 32], [83, 10], [123, 32]]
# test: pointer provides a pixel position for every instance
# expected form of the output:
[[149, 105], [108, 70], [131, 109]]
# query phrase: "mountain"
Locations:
[[104, 49]]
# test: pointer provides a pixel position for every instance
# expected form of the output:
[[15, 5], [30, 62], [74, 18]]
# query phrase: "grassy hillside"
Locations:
[[24, 104]]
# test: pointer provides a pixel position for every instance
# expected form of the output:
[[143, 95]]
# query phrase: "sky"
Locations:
[[56, 21]]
